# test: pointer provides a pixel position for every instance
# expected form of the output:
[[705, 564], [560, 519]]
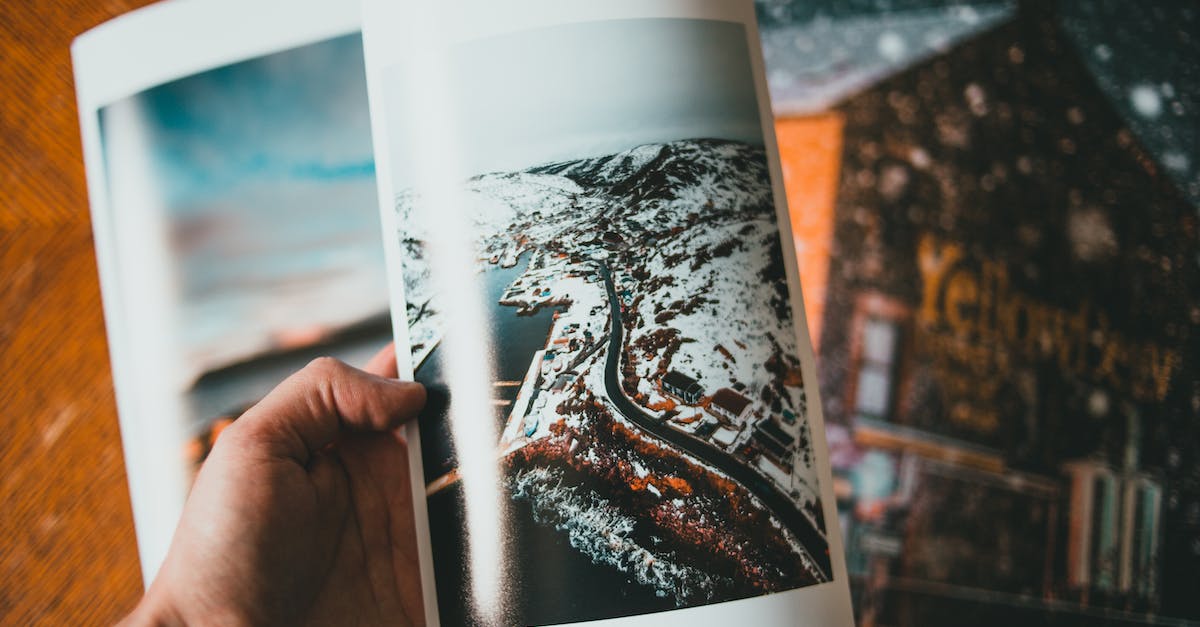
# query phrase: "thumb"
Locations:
[[306, 412]]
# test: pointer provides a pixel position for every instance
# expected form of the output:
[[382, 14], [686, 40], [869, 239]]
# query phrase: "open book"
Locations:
[[992, 206], [623, 419]]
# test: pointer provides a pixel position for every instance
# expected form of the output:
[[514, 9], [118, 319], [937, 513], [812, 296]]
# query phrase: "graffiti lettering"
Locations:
[[976, 304]]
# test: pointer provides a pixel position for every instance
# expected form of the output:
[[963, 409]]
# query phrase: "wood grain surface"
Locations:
[[67, 551]]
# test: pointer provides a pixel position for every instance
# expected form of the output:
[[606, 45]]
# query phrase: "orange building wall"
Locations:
[[810, 149]]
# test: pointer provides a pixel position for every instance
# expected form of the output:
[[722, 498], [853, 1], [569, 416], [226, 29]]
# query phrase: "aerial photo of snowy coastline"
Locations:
[[652, 433]]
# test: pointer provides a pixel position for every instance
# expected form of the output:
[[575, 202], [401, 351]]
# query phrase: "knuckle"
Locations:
[[322, 379], [325, 367]]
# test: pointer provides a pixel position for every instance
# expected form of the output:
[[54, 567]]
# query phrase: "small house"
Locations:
[[682, 387], [562, 382], [776, 444], [729, 405]]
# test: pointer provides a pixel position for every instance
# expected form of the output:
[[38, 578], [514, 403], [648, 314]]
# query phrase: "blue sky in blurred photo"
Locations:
[[297, 114], [265, 172]]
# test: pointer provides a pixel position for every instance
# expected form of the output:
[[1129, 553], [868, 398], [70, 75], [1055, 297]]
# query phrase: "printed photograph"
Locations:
[[647, 421], [262, 175]]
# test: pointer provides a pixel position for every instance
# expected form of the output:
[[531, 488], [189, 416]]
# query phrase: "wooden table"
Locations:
[[67, 551]]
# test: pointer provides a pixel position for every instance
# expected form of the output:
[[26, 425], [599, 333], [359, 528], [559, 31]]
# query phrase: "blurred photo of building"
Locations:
[[997, 234]]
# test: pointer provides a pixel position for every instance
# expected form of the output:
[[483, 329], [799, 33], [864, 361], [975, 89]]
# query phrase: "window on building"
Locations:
[[875, 387], [1104, 531], [1145, 499]]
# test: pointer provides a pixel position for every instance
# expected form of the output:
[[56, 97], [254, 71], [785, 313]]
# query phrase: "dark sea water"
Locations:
[[547, 581]]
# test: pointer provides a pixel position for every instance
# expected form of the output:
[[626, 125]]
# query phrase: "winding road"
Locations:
[[777, 504]]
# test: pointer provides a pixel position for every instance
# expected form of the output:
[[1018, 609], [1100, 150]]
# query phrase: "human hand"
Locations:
[[302, 513]]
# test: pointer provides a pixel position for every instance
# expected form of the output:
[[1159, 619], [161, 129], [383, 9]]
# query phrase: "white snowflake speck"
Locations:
[[1146, 101]]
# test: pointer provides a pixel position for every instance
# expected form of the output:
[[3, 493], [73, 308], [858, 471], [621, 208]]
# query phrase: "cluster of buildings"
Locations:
[[565, 350], [736, 421]]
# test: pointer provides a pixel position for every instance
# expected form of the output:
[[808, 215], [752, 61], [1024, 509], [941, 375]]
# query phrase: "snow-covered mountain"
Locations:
[[667, 171], [649, 190]]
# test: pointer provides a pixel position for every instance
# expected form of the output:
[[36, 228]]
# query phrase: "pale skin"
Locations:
[[302, 514]]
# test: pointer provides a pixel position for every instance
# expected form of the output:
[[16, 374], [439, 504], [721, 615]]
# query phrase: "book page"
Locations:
[[592, 269], [232, 187]]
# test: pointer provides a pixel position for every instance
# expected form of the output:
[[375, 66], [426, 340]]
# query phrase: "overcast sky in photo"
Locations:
[[594, 88]]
